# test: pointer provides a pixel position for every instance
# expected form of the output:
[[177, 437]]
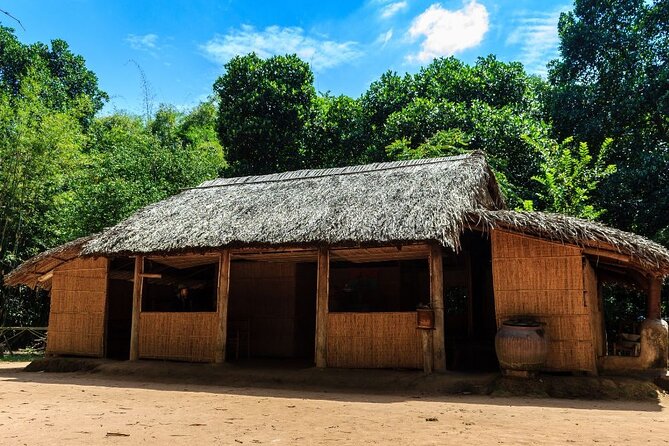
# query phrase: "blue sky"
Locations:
[[182, 45]]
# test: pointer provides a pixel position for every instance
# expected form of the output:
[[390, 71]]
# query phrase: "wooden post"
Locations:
[[136, 307], [437, 302], [654, 297], [322, 291], [222, 306], [426, 339]]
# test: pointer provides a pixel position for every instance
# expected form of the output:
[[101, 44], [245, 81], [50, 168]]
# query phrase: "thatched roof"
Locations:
[[32, 270], [378, 203], [384, 203], [561, 228]]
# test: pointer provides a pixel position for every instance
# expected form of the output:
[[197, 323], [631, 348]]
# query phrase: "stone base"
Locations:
[[652, 359]]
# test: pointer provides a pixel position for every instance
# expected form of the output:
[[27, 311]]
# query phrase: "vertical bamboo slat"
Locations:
[[374, 340], [322, 291], [437, 301], [222, 305], [136, 307]]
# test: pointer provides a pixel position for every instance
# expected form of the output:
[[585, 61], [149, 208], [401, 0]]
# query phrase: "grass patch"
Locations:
[[22, 356]]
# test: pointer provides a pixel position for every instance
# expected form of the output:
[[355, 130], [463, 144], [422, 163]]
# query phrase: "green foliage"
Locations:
[[129, 164], [38, 153], [66, 82], [612, 80], [490, 106], [263, 108], [569, 176], [335, 135], [442, 143]]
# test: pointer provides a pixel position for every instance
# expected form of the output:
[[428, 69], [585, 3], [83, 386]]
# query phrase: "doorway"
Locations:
[[469, 307], [271, 310], [119, 308]]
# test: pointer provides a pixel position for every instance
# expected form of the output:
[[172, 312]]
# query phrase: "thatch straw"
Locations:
[[379, 203], [576, 231], [32, 269], [385, 203]]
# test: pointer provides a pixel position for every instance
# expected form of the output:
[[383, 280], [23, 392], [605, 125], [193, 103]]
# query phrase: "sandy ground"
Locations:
[[76, 408]]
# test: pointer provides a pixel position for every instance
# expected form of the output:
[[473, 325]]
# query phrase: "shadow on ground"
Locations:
[[383, 386]]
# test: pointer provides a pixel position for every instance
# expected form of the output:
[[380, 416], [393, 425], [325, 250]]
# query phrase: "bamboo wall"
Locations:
[[373, 340], [178, 336], [545, 280], [78, 301]]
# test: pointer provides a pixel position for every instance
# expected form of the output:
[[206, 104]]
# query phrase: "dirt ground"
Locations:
[[79, 408]]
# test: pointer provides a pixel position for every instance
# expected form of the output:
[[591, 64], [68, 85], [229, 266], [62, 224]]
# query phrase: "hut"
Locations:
[[331, 266]]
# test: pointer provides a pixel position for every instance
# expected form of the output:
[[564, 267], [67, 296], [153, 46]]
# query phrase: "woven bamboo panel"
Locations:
[[509, 245], [541, 302], [545, 280], [178, 336], [373, 340], [570, 356], [77, 316], [542, 273]]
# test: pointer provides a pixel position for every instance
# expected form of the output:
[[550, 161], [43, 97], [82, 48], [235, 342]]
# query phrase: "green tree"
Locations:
[[388, 95], [612, 80], [130, 164], [493, 105], [569, 175], [64, 76], [264, 105], [39, 150], [335, 134]]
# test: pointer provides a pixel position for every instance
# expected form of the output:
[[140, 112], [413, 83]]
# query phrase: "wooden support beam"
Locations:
[[222, 306], [428, 356], [322, 292], [437, 302], [136, 307], [45, 277], [654, 298]]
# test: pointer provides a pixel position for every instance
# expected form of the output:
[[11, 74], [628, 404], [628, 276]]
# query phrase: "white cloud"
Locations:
[[384, 38], [146, 42], [391, 9], [536, 34], [447, 32], [320, 52]]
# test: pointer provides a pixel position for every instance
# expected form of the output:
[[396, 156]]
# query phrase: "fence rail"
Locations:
[[35, 337]]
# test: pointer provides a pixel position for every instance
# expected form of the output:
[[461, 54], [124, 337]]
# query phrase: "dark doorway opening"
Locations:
[[271, 310], [469, 307], [119, 308]]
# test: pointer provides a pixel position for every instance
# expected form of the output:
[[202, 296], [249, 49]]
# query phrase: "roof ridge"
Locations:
[[333, 171]]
